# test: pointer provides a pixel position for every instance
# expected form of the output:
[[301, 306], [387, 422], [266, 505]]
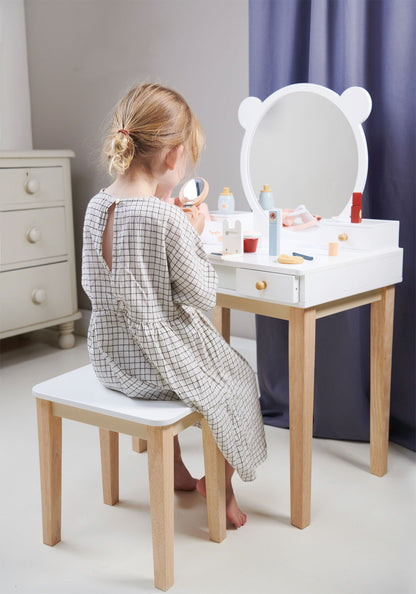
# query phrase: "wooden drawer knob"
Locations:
[[260, 285], [342, 237], [38, 296], [32, 185], [33, 235]]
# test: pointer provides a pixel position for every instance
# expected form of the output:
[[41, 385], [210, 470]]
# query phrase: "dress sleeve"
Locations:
[[193, 279]]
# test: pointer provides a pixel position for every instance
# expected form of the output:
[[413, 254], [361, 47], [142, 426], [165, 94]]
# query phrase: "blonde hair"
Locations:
[[149, 118]]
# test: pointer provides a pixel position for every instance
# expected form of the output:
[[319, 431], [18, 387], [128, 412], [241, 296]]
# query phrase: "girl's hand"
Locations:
[[197, 219]]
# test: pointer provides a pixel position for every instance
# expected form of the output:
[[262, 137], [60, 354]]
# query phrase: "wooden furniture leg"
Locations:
[[301, 389], [221, 320], [109, 465], [66, 338], [138, 445], [382, 313], [50, 458], [161, 486], [215, 485]]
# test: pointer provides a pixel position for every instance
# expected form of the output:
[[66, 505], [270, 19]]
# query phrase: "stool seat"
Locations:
[[82, 389], [78, 395]]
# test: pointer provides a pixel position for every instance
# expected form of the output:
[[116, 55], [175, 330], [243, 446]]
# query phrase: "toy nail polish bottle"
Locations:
[[275, 223], [266, 198], [226, 201]]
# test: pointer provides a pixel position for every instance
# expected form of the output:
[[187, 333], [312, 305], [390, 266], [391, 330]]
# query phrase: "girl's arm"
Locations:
[[193, 279]]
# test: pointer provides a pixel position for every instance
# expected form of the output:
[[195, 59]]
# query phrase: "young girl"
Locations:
[[147, 276]]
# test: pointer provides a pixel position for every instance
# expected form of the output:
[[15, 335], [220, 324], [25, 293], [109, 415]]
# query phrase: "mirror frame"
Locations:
[[355, 104], [187, 206]]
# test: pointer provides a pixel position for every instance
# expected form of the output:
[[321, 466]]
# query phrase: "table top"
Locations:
[[369, 259]]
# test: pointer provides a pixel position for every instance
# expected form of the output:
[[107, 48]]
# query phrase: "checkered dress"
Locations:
[[147, 337]]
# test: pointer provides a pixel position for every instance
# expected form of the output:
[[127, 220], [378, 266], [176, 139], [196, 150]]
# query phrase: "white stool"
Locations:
[[78, 395]]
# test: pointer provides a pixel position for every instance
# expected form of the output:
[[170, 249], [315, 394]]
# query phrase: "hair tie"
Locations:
[[126, 132]]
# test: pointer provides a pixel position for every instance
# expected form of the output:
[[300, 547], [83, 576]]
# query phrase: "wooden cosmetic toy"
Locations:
[[333, 248], [193, 193], [356, 208]]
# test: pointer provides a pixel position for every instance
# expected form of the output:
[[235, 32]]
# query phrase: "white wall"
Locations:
[[84, 55], [15, 125]]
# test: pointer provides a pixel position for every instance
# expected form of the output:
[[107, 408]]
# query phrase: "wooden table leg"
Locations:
[[109, 465], [301, 390], [215, 485], [50, 458], [221, 320], [161, 485], [382, 313]]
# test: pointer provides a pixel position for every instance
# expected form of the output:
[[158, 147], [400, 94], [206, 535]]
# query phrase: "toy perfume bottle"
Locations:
[[266, 198], [226, 201]]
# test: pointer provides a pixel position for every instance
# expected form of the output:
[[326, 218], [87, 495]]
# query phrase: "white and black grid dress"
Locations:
[[147, 337]]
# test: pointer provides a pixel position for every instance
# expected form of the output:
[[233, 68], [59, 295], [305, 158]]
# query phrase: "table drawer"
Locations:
[[267, 285], [32, 234], [31, 185], [35, 295]]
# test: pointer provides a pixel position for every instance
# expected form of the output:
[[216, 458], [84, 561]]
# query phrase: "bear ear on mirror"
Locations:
[[356, 103], [248, 110]]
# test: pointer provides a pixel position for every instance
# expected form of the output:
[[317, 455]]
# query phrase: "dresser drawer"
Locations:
[[31, 185], [32, 234], [34, 295], [267, 285]]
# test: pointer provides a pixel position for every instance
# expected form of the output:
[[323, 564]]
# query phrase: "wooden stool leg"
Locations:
[[161, 485], [301, 387], [382, 313], [139, 445], [109, 465], [50, 458], [215, 484]]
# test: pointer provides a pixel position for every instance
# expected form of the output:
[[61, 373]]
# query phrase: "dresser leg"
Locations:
[[66, 338], [382, 313], [221, 320], [301, 389]]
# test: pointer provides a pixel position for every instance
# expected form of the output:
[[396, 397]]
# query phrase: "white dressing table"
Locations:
[[317, 136]]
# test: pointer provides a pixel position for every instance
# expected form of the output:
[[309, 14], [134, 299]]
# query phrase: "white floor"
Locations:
[[361, 540]]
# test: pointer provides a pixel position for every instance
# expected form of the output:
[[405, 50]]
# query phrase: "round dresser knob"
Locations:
[[33, 235], [32, 186], [342, 237], [260, 285], [38, 296]]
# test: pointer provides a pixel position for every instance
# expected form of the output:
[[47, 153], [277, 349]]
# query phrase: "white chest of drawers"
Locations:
[[37, 264]]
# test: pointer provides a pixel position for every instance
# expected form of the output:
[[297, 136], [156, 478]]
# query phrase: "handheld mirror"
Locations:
[[193, 192], [307, 143]]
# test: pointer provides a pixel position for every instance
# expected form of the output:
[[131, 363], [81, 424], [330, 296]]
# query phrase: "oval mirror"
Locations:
[[193, 192], [306, 142]]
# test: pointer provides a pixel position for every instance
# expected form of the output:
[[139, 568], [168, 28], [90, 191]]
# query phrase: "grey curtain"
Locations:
[[338, 44]]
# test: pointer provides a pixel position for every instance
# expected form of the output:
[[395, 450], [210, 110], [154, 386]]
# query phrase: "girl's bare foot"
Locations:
[[183, 481], [233, 512]]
